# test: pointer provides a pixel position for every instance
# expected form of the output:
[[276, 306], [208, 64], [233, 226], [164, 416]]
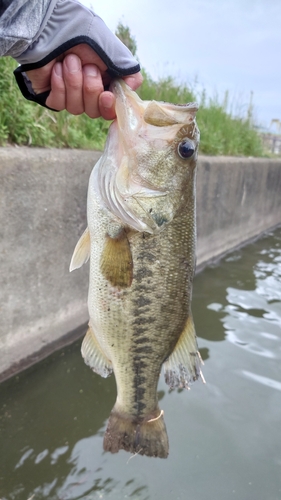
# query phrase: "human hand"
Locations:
[[76, 81], [72, 59]]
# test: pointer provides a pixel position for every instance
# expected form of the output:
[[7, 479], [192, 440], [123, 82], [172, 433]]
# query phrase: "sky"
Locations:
[[223, 45]]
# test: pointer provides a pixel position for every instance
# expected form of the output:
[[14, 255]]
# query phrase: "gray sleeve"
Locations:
[[36, 36], [35, 31], [69, 24], [20, 22]]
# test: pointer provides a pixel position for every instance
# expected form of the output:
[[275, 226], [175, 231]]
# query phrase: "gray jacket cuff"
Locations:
[[69, 24]]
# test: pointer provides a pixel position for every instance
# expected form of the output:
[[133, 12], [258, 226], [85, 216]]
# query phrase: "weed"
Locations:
[[25, 123]]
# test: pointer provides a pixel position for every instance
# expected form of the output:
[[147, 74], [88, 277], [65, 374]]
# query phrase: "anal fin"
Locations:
[[183, 365], [94, 356], [81, 252]]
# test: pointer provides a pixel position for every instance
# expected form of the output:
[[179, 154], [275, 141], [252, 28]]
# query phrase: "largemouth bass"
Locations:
[[141, 244]]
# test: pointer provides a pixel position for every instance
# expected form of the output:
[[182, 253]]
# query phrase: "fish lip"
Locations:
[[118, 90], [123, 92], [116, 86], [128, 108]]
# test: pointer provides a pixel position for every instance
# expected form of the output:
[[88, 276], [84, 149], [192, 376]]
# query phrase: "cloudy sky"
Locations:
[[232, 45]]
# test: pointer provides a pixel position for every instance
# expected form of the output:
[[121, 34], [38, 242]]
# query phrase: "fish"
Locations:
[[141, 240]]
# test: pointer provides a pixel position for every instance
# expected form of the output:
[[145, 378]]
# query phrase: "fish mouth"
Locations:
[[132, 112]]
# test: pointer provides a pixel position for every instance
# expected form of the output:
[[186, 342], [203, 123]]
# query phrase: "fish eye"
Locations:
[[186, 149]]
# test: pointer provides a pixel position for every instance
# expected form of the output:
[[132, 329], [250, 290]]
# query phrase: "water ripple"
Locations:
[[269, 382], [253, 317]]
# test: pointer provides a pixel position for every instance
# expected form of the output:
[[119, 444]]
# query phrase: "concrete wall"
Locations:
[[237, 200], [43, 213]]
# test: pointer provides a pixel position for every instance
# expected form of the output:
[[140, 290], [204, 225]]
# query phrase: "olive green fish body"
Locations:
[[141, 242]]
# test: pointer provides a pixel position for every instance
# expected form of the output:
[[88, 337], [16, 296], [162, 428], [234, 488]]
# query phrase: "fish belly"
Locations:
[[138, 326]]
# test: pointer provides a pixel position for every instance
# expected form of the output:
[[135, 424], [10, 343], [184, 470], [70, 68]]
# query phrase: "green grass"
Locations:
[[26, 123], [222, 134]]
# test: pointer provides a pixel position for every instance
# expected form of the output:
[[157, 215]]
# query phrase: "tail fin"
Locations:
[[146, 437]]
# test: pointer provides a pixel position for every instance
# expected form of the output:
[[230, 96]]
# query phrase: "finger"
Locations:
[[56, 99], [41, 78], [92, 88], [107, 99], [134, 81], [73, 79], [107, 105]]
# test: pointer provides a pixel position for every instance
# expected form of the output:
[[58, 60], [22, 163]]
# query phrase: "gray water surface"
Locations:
[[225, 436]]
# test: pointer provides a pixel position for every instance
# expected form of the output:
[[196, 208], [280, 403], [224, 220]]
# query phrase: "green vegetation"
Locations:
[[26, 123], [124, 33], [222, 134]]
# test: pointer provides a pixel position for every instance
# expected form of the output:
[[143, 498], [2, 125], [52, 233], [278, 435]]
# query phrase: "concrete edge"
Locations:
[[216, 260], [44, 352]]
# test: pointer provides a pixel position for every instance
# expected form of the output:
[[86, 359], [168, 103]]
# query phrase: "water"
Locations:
[[225, 436]]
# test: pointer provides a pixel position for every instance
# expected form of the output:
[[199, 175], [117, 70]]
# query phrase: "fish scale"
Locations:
[[142, 265]]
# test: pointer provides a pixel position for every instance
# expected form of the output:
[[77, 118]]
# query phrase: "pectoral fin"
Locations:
[[183, 365], [116, 262], [94, 356], [81, 252]]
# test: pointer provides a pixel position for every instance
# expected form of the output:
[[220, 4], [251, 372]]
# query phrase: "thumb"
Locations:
[[133, 81]]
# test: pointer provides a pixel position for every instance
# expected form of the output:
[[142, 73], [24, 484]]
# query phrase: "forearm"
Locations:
[[20, 21]]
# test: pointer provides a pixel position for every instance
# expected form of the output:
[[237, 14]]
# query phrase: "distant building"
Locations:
[[272, 143]]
